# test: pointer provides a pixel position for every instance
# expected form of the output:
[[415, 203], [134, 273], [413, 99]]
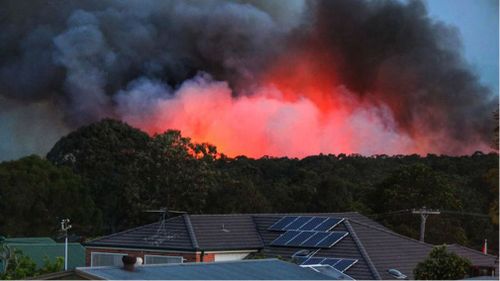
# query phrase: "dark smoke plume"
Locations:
[[67, 63]]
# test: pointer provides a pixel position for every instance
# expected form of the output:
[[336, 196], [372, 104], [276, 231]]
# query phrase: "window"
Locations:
[[156, 259], [105, 259]]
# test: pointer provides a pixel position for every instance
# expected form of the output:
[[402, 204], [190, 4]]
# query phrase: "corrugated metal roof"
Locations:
[[265, 269]]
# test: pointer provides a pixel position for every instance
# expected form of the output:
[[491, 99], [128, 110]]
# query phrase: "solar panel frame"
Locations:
[[330, 271], [313, 223], [300, 238], [315, 239], [332, 239], [331, 261], [345, 264], [329, 224], [284, 238], [313, 260], [296, 224], [281, 223]]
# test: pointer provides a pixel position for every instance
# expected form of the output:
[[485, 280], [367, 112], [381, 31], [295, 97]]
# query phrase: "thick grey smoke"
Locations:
[[67, 63]]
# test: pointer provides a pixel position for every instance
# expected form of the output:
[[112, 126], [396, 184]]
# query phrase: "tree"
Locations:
[[107, 155], [20, 266], [442, 265], [180, 173], [35, 195], [416, 186]]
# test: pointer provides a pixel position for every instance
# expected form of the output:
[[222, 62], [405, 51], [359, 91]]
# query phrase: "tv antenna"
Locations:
[[162, 233]]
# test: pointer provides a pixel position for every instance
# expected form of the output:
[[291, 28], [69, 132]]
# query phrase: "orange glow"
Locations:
[[297, 109]]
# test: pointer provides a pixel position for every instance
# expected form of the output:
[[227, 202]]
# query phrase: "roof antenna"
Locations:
[[224, 229], [162, 233]]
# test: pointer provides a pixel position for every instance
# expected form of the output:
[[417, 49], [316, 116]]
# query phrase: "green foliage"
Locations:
[[125, 171], [35, 195], [20, 266], [442, 265], [108, 156], [49, 266]]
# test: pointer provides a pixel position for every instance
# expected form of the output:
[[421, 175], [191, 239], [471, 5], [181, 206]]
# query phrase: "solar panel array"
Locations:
[[339, 264], [310, 239], [310, 232], [305, 223]]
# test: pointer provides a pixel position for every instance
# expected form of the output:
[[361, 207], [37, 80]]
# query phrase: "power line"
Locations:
[[389, 213], [466, 214]]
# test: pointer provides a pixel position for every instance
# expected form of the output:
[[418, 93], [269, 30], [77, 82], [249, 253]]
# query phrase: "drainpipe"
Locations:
[[201, 255]]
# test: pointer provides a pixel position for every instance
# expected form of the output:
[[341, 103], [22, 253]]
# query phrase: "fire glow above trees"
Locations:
[[251, 77]]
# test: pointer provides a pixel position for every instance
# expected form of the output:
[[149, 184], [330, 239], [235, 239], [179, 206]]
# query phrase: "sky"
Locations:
[[397, 88], [477, 21]]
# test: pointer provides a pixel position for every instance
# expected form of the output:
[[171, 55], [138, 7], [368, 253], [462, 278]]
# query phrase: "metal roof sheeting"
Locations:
[[265, 269]]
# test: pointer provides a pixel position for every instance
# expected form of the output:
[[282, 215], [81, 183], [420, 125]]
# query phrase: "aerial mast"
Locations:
[[65, 226]]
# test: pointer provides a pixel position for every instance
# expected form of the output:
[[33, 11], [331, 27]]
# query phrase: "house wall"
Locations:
[[188, 257]]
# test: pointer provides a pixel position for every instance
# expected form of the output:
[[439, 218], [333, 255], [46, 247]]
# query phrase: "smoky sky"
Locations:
[[71, 59]]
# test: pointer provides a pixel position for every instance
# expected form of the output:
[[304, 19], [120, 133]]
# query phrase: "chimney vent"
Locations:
[[129, 262]]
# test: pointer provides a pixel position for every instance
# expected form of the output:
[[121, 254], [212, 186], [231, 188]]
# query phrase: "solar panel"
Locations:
[[317, 237], [281, 223], [331, 261], [296, 224], [313, 260], [331, 239], [313, 223], [344, 264], [330, 271], [284, 238], [337, 263], [328, 224], [299, 239]]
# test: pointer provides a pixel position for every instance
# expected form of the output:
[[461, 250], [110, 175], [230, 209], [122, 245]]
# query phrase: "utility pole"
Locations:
[[65, 226], [424, 213]]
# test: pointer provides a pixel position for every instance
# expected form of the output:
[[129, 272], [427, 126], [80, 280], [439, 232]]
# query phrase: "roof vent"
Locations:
[[396, 273], [129, 263], [301, 253]]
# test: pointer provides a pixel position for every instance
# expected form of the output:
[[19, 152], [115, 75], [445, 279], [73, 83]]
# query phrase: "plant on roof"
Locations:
[[442, 265]]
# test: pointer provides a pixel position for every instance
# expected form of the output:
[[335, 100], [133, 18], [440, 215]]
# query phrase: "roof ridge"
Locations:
[[292, 213], [363, 251], [394, 234], [470, 250], [190, 229]]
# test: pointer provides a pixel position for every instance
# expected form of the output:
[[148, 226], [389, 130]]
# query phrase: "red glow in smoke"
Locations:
[[297, 111]]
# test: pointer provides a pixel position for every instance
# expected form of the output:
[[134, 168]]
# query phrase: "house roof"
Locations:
[[40, 248], [265, 269], [376, 248]]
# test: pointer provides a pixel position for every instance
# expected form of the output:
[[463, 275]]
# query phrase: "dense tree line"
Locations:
[[104, 175]]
